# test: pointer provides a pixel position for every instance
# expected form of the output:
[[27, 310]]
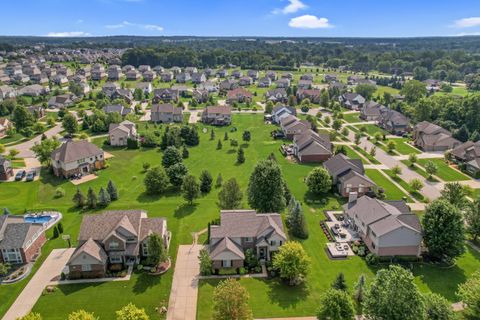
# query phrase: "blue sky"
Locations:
[[319, 18]]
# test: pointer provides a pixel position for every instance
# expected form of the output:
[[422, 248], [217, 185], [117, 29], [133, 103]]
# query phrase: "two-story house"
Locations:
[[74, 157], [120, 133], [166, 113], [217, 115]]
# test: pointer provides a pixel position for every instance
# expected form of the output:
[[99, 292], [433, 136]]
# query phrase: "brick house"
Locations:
[[20, 242], [74, 157], [240, 230]]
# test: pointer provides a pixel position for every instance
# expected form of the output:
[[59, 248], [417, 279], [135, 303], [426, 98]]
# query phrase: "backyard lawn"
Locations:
[[392, 192], [401, 146], [352, 117], [445, 172]]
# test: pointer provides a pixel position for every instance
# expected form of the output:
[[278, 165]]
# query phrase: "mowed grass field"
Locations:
[[269, 298], [445, 172], [392, 192]]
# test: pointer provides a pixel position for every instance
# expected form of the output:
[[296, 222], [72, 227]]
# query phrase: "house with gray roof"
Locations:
[[240, 230], [468, 154], [388, 228], [165, 95], [292, 126], [352, 100], [114, 238], [394, 121], [120, 133], [311, 147], [217, 115], [348, 175], [117, 108], [280, 112], [74, 157], [431, 137], [62, 101], [371, 111], [20, 242], [166, 113]]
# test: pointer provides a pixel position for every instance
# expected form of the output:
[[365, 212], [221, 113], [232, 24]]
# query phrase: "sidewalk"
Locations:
[[51, 268]]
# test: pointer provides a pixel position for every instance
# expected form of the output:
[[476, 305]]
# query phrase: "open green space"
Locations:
[[352, 117], [392, 192], [401, 146], [418, 196], [418, 169], [366, 155], [352, 154], [445, 172], [372, 129]]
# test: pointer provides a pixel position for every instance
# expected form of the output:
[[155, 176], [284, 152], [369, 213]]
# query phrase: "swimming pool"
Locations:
[[38, 219]]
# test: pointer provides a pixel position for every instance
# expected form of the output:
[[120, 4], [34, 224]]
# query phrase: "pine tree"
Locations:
[[219, 181], [240, 155], [6, 212], [60, 227], [298, 225], [212, 134], [225, 137], [339, 283], [79, 198], [185, 153], [55, 232], [103, 197], [112, 191], [91, 198], [219, 144]]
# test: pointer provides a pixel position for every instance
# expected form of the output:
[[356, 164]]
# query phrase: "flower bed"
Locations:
[[161, 268], [17, 274]]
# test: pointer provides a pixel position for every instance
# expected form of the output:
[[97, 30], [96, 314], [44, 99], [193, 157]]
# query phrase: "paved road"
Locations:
[[24, 148], [182, 304], [51, 267]]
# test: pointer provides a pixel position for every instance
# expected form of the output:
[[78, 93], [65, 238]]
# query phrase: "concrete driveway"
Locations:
[[51, 267], [24, 148], [182, 304]]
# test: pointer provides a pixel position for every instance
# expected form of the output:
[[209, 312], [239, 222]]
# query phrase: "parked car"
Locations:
[[20, 175], [30, 176]]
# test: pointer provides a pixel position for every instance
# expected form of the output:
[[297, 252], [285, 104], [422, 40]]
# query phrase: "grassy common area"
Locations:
[[445, 172], [418, 196], [352, 117], [392, 192], [401, 146]]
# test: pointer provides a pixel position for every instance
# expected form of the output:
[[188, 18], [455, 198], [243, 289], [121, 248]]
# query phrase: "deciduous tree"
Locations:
[[131, 312], [292, 262], [230, 197], [335, 305], [319, 181], [230, 301]]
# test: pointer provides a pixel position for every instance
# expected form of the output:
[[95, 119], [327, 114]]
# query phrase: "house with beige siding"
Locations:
[[74, 157]]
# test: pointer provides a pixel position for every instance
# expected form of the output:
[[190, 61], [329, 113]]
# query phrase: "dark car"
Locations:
[[20, 175], [30, 176]]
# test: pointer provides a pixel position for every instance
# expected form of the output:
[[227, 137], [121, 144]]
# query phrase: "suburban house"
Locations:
[[120, 133], [200, 95], [7, 92], [253, 74], [146, 87], [209, 86], [166, 113], [198, 77], [311, 94], [62, 101], [6, 171], [272, 75], [74, 157], [5, 124], [114, 238], [20, 241], [264, 82], [348, 175], [109, 88], [165, 95], [34, 90], [222, 73], [352, 100], [305, 84], [117, 108], [394, 121], [280, 112], [277, 95], [468, 153], [149, 75], [217, 115], [312, 147], [245, 81], [133, 75], [228, 84], [166, 76], [331, 78], [307, 76], [183, 77], [282, 83], [114, 73], [371, 111], [239, 95], [240, 230], [388, 228], [124, 94], [430, 137], [291, 126], [237, 74], [38, 112]]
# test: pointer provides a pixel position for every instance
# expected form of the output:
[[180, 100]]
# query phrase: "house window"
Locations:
[[116, 259], [130, 239], [226, 263], [113, 245], [145, 249], [86, 267], [273, 243], [248, 239]]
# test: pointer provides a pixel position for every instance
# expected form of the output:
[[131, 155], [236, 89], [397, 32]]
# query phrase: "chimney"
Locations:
[[352, 197]]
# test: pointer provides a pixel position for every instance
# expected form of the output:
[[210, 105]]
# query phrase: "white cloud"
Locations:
[[69, 34], [292, 7], [309, 22], [463, 34], [123, 24], [467, 22]]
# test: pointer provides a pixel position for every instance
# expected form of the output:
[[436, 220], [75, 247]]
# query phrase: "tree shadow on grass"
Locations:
[[284, 295], [68, 289], [144, 197], [184, 210], [146, 281], [231, 151]]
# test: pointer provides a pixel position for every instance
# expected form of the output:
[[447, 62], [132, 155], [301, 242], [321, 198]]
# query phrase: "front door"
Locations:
[[262, 252]]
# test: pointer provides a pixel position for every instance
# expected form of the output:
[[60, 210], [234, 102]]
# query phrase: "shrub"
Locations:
[[371, 259], [59, 192]]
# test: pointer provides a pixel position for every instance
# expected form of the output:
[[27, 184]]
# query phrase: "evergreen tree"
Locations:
[[205, 181], [219, 144], [6, 212], [91, 198], [339, 283], [60, 227], [212, 134], [112, 190], [219, 181], [240, 155], [103, 197], [296, 218], [79, 199], [225, 137], [55, 232], [185, 153], [266, 187]]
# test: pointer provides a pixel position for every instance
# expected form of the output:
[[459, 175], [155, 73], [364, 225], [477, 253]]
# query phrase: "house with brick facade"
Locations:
[[20, 242], [312, 147], [240, 230], [114, 238], [74, 157]]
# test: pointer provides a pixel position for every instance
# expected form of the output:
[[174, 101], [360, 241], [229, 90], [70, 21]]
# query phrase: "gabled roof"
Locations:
[[226, 244], [99, 226], [93, 249], [16, 234], [75, 150], [340, 163], [226, 110], [313, 143], [166, 108]]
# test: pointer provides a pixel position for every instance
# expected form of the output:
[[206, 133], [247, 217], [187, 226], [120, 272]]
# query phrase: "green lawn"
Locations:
[[366, 155], [352, 154], [18, 163], [268, 298], [382, 89], [392, 192], [445, 172], [401, 146], [418, 169], [405, 185], [13, 139], [352, 117], [372, 129]]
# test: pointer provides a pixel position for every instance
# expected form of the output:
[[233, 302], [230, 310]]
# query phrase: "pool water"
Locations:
[[41, 219]]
